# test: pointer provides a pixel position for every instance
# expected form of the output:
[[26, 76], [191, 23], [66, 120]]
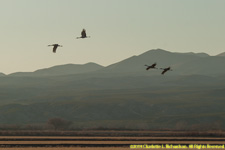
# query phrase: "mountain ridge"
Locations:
[[182, 63], [221, 54], [121, 92], [64, 69]]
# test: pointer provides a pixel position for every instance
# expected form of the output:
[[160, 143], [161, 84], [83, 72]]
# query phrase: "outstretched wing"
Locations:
[[164, 71], [153, 65], [147, 67], [83, 33]]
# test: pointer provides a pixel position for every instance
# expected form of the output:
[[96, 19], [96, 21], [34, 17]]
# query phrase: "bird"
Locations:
[[152, 66], [83, 35], [165, 70], [55, 47]]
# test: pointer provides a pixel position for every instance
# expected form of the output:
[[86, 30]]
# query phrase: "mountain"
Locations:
[[197, 54], [2, 74], [181, 63], [221, 54], [121, 94], [61, 70]]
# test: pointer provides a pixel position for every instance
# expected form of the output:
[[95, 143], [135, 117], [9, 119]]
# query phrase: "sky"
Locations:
[[118, 28]]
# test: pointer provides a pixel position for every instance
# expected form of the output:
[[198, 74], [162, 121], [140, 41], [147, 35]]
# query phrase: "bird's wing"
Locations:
[[167, 69], [163, 71]]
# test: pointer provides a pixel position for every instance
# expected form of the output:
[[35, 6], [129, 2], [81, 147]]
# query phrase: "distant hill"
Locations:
[[2, 74], [181, 63], [221, 54], [198, 54], [120, 94], [61, 70]]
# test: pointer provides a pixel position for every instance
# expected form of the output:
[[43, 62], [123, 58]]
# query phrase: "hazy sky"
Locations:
[[118, 29]]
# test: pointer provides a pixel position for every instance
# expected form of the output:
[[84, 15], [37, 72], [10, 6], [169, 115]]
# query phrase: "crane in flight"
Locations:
[[83, 35], [55, 46], [165, 70], [152, 66]]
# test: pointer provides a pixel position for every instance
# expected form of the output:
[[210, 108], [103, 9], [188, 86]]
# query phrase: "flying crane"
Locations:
[[83, 35], [165, 70], [152, 66], [55, 46]]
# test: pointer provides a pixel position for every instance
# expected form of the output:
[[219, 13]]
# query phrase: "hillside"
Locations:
[[120, 94], [146, 108], [2, 74], [221, 54], [181, 63], [61, 70]]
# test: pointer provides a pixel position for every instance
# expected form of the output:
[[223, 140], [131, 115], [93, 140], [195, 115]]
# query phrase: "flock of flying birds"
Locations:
[[153, 67], [84, 35]]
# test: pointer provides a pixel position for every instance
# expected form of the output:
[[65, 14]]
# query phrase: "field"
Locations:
[[106, 140]]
